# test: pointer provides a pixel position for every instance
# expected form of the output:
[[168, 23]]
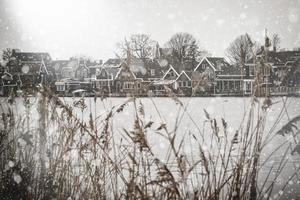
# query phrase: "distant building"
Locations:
[[183, 84], [208, 69], [275, 72], [29, 69]]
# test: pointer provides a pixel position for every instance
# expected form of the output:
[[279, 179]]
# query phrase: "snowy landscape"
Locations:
[[113, 99]]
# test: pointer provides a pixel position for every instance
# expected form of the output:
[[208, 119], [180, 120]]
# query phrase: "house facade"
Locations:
[[276, 73], [126, 83], [183, 84], [205, 73], [28, 69], [269, 73]]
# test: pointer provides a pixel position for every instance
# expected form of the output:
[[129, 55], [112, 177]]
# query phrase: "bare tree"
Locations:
[[241, 49], [139, 45], [276, 41], [184, 46]]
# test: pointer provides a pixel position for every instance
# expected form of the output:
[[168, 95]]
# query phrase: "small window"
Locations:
[[152, 71]]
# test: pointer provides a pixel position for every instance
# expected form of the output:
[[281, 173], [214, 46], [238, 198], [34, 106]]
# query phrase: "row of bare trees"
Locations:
[[185, 47]]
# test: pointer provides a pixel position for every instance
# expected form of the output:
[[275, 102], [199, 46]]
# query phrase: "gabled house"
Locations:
[[61, 69], [285, 68], [104, 81], [159, 87], [146, 72], [113, 62], [275, 72], [126, 82], [207, 69], [82, 72], [183, 84], [170, 74], [211, 66], [29, 68]]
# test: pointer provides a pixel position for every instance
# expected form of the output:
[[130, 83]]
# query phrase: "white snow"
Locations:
[[17, 178]]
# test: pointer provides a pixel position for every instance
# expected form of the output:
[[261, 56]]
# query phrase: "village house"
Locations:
[[104, 82], [165, 83], [147, 72], [231, 81], [136, 77], [183, 84], [126, 83], [74, 75], [207, 69], [28, 69], [268, 73], [285, 68], [277, 73], [7, 83]]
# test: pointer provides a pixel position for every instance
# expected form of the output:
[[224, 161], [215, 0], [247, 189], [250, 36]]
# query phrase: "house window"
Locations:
[[189, 84], [60, 88], [138, 85], [225, 85], [184, 83], [152, 71], [251, 70], [128, 85]]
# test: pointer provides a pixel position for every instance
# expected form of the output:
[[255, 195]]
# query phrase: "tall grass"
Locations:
[[53, 153]]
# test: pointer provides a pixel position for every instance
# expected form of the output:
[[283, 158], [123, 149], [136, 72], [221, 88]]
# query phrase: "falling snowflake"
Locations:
[[243, 16], [17, 178], [11, 164], [293, 16], [234, 194]]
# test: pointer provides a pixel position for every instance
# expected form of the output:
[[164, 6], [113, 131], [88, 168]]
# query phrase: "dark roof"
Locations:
[[31, 56], [231, 70], [113, 61], [279, 57], [107, 73], [142, 69], [282, 57], [218, 62]]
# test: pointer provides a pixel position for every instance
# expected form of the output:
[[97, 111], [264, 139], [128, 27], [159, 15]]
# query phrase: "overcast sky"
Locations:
[[93, 27]]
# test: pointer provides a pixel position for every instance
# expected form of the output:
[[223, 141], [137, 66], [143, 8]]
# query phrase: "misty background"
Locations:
[[65, 28]]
